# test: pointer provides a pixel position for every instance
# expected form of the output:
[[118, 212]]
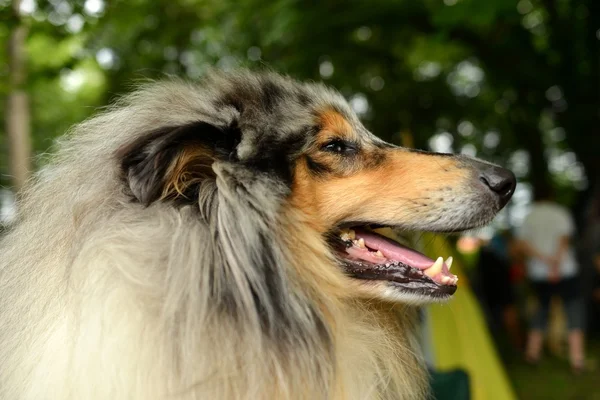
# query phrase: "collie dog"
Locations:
[[219, 240]]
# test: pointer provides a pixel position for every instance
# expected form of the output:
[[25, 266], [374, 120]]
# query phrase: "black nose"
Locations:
[[500, 181]]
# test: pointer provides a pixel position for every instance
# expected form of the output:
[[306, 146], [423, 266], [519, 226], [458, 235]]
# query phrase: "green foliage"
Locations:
[[473, 14], [63, 51]]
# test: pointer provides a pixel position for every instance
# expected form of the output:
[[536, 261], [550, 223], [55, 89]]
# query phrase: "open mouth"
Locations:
[[368, 255]]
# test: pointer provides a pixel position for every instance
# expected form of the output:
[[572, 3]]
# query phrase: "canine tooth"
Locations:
[[361, 243], [449, 262], [436, 268]]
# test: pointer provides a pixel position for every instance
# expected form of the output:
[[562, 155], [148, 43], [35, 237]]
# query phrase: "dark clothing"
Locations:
[[569, 291], [496, 287]]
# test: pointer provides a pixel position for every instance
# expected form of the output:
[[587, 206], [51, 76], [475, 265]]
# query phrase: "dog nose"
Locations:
[[500, 181]]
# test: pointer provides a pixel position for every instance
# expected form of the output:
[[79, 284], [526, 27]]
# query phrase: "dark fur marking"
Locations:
[[271, 95], [145, 162], [310, 131], [275, 156], [274, 317], [269, 293], [226, 148], [233, 99], [278, 323], [303, 99], [375, 159], [270, 290], [315, 167]]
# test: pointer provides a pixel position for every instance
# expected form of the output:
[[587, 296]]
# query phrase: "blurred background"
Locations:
[[513, 82]]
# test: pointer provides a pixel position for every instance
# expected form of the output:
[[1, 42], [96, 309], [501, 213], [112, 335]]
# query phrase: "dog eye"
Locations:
[[339, 147]]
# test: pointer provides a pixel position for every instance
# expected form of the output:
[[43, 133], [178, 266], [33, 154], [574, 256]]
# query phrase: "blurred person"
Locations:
[[545, 239], [495, 263]]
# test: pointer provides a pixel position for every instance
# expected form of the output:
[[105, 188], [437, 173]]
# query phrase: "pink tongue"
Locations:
[[394, 251]]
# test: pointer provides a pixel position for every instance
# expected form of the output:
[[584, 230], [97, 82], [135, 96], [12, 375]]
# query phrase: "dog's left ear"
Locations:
[[169, 163]]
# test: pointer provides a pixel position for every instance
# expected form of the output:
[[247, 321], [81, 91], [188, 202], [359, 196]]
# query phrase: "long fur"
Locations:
[[101, 298]]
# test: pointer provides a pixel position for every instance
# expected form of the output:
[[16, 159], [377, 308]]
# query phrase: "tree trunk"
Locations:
[[17, 104]]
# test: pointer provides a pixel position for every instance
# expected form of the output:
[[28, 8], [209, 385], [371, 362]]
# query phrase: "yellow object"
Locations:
[[460, 337]]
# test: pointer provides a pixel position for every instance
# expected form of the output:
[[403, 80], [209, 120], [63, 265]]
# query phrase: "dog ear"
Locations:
[[169, 163]]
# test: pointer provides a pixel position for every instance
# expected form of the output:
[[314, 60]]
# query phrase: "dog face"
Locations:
[[317, 158]]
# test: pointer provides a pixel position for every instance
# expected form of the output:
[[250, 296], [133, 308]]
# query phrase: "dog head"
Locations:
[[272, 143]]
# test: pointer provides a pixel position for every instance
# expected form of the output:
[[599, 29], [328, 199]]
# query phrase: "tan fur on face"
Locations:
[[332, 121], [400, 186]]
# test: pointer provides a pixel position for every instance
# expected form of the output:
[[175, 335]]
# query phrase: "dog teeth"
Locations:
[[449, 262], [348, 234], [449, 280], [359, 243], [379, 254], [435, 269]]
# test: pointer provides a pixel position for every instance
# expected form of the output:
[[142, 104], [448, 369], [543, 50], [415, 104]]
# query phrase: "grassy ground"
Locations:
[[552, 378]]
